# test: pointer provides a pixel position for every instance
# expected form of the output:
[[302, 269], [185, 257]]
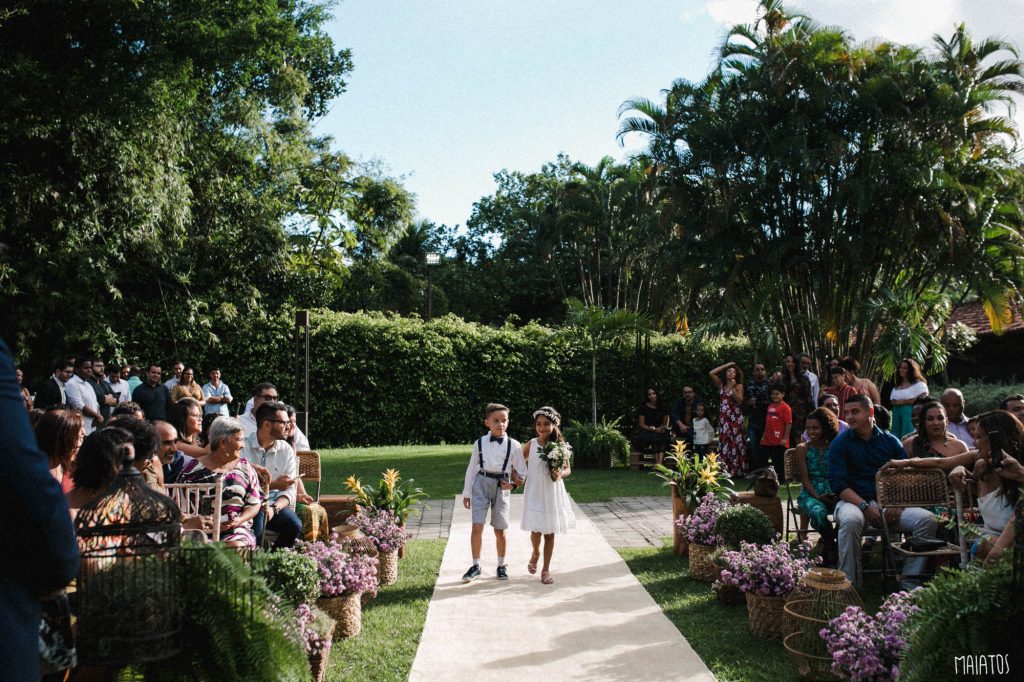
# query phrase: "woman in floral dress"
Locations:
[[732, 443]]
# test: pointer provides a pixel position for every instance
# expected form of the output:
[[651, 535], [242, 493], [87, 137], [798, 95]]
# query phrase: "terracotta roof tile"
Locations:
[[973, 315]]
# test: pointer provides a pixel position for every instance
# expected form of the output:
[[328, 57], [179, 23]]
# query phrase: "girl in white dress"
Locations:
[[547, 508]]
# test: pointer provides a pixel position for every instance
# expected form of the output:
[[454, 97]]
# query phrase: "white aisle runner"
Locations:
[[595, 623]]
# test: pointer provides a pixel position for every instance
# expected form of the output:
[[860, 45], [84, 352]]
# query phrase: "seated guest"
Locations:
[[59, 434], [915, 415], [187, 418], [188, 387], [261, 393], [1013, 404], [932, 439], [830, 402], [816, 499], [128, 409], [1001, 432], [953, 402], [268, 448], [855, 458], [242, 496], [840, 389], [652, 433], [99, 461], [315, 524], [52, 393], [153, 397], [171, 458], [145, 441]]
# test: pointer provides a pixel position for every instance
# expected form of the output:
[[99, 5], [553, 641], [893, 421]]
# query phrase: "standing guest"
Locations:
[[681, 414], [36, 534], [82, 397], [25, 395], [910, 385], [797, 392], [187, 418], [953, 402], [853, 377], [59, 434], [105, 395], [53, 392], [840, 388], [171, 458], [855, 458], [217, 394], [652, 433], [134, 379], [703, 431], [732, 445], [268, 448], [1013, 404], [932, 438], [175, 376], [153, 397], [130, 409], [778, 426], [812, 378], [118, 383], [816, 499], [242, 496], [883, 418], [188, 387], [757, 400], [829, 402]]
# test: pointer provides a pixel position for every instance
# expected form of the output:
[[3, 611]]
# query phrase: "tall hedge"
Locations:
[[380, 379]]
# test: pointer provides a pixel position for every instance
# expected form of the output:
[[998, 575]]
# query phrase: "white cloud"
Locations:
[[732, 12]]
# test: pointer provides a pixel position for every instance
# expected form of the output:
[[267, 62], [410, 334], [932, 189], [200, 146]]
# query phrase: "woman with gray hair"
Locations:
[[243, 496]]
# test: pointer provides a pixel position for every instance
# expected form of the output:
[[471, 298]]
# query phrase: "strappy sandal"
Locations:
[[545, 577], [532, 566]]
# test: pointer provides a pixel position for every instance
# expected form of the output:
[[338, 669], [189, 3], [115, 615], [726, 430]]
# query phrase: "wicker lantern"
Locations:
[[128, 606], [821, 595]]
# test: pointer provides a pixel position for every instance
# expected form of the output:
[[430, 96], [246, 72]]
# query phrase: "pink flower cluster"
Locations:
[[699, 527], [868, 648], [771, 570], [381, 526], [313, 641], [340, 572]]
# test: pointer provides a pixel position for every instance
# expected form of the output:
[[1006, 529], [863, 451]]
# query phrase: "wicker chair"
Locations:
[[904, 488], [192, 497], [309, 470], [792, 475]]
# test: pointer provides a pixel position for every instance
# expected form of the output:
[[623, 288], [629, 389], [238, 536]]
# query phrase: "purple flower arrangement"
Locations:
[[381, 526], [868, 648], [769, 570], [340, 573], [699, 527], [314, 628]]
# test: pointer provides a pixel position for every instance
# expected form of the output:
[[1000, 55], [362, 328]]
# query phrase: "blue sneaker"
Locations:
[[472, 573], [502, 572]]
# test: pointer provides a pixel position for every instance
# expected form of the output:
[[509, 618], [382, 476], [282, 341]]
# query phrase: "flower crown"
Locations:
[[550, 413]]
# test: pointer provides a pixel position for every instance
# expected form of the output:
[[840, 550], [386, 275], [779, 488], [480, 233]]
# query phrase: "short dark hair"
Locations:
[[212, 370], [837, 370], [259, 388], [1009, 399], [883, 418], [804, 355], [823, 397], [80, 362], [776, 387], [59, 365], [144, 435], [128, 407], [494, 407], [862, 400], [114, 368], [922, 401], [151, 366], [267, 410], [850, 365]]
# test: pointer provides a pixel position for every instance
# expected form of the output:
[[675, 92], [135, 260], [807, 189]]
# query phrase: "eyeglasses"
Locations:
[[169, 442], [267, 397], [278, 421]]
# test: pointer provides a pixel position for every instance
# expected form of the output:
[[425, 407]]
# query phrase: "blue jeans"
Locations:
[[758, 458], [287, 525]]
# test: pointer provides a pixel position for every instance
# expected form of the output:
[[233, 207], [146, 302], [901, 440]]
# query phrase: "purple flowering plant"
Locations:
[[340, 572], [381, 526], [769, 570], [699, 527], [314, 628], [867, 648]]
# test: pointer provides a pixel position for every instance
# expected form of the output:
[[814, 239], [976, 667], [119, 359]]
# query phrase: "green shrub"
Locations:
[[744, 523], [982, 397], [293, 577], [596, 447]]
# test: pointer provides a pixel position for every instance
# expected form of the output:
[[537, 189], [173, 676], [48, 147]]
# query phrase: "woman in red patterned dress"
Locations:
[[732, 443]]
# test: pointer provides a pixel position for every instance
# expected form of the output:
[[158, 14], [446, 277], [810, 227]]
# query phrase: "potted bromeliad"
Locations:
[[690, 477], [382, 528], [391, 494], [766, 574], [343, 578], [699, 530]]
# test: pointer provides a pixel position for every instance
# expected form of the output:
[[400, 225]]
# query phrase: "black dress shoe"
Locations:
[[472, 573]]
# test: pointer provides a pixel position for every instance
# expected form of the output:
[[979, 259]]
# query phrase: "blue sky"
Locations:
[[445, 94]]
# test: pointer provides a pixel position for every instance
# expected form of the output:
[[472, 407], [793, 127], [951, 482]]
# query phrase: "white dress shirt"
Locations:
[[959, 430], [279, 459], [81, 395], [815, 387], [249, 424], [494, 457]]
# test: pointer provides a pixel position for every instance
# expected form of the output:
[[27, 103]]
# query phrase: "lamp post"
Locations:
[[432, 260]]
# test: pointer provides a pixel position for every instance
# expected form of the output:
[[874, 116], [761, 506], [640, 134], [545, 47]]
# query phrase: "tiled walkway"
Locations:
[[623, 521]]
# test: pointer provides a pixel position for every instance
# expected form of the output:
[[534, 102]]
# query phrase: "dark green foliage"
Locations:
[[291, 576], [597, 447], [744, 523], [963, 612]]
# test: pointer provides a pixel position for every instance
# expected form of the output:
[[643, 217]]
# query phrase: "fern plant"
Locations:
[[597, 446]]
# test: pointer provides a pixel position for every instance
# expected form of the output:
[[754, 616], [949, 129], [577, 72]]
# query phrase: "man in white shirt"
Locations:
[[218, 395], [956, 421], [805, 367], [176, 377], [82, 396], [267, 448], [262, 393], [122, 391]]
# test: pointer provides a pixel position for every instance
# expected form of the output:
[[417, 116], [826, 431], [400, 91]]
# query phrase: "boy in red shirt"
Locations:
[[777, 425]]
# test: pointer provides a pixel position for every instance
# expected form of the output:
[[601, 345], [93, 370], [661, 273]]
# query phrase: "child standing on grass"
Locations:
[[703, 432], [489, 483], [547, 508], [777, 426]]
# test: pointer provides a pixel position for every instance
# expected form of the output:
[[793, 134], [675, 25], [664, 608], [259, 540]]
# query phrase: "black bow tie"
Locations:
[[499, 441]]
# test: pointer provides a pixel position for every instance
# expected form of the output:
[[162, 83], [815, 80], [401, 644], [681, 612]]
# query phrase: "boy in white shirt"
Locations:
[[496, 465]]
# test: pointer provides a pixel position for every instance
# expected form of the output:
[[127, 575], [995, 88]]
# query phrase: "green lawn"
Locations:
[[393, 622]]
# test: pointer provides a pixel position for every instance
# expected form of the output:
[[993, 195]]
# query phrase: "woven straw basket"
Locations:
[[701, 566], [387, 569], [318, 662], [347, 612], [767, 615]]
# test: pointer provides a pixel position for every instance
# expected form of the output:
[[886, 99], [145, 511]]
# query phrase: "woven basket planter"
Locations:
[[701, 566], [387, 568], [730, 595], [767, 616], [347, 613], [318, 662], [680, 545]]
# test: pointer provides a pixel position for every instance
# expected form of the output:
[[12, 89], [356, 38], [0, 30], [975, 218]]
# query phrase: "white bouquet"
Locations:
[[557, 455]]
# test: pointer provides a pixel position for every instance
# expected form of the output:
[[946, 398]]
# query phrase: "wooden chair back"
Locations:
[[309, 469], [190, 498]]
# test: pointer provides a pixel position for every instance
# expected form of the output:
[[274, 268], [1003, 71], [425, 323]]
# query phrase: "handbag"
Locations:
[[767, 484]]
